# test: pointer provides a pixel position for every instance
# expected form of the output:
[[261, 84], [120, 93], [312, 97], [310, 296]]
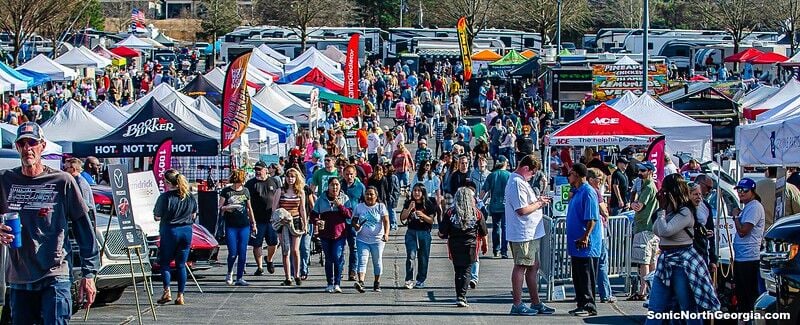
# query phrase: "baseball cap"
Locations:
[[746, 183], [646, 165], [423, 141], [260, 164], [317, 155], [360, 154], [501, 160], [623, 160], [29, 130]]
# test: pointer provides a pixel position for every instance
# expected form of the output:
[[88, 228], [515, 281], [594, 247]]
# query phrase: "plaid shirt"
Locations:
[[439, 131], [422, 155], [696, 271]]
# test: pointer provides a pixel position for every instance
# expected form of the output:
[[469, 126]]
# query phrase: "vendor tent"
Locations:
[[307, 94], [626, 60], [794, 61], [276, 112], [757, 96], [787, 94], [38, 78], [259, 139], [603, 126], [768, 58], [216, 77], [12, 83], [201, 86], [333, 53], [266, 64], [8, 133], [313, 58], [165, 40], [314, 76], [618, 103], [78, 58], [103, 61], [486, 55], [743, 56], [140, 135], [528, 69], [683, 133], [17, 75], [110, 114], [135, 43], [511, 58], [772, 142], [528, 54], [125, 52], [72, 123], [55, 70], [274, 54], [104, 52]]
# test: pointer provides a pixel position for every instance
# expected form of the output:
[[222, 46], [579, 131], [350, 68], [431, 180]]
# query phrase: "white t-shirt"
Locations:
[[747, 248], [371, 220], [521, 228], [373, 143]]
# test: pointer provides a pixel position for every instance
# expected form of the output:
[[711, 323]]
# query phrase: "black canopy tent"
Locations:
[[141, 134], [528, 69], [200, 86]]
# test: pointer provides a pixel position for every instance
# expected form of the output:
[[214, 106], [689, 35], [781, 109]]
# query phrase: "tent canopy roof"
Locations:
[[743, 56], [603, 126], [528, 53], [274, 54], [511, 58], [55, 70], [768, 58], [486, 55], [125, 51]]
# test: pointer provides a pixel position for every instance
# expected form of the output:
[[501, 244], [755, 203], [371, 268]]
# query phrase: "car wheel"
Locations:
[[108, 296]]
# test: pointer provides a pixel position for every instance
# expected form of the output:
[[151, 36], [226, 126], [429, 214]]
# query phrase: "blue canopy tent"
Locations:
[[270, 120], [38, 78], [17, 75]]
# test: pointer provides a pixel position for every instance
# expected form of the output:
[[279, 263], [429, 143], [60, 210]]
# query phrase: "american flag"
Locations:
[[137, 20]]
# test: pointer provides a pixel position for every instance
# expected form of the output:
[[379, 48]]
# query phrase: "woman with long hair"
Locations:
[[681, 273], [419, 212], [234, 202], [331, 217], [428, 179], [175, 210], [379, 180], [462, 226], [372, 226], [292, 198]]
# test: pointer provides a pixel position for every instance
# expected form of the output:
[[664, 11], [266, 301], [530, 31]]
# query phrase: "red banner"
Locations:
[[236, 108], [351, 75], [466, 53], [162, 163], [655, 154]]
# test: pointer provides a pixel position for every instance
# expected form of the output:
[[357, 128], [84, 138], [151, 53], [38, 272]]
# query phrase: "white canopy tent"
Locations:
[[758, 96], [72, 123], [682, 133], [256, 79], [266, 64], [274, 54], [78, 58], [771, 142], [10, 83], [626, 60], [333, 53], [288, 105], [134, 43], [787, 94], [626, 100], [216, 77], [97, 57], [55, 70], [313, 58], [110, 114]]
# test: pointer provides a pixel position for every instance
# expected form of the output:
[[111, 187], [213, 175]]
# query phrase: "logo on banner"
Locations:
[[119, 178], [156, 124], [605, 121]]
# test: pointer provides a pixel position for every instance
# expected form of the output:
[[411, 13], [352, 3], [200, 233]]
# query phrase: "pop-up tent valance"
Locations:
[[772, 142], [140, 136], [603, 126], [55, 70]]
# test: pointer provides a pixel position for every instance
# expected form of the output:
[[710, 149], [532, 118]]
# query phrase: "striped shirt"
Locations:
[[291, 204]]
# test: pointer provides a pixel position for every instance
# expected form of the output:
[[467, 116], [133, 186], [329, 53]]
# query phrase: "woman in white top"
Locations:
[[371, 222], [428, 179], [507, 146]]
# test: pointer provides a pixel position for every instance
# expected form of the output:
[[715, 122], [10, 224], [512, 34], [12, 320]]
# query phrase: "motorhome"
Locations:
[[287, 40], [289, 47], [400, 39], [659, 38]]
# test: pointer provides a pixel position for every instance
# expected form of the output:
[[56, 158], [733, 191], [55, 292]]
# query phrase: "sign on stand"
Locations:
[[561, 197], [122, 203]]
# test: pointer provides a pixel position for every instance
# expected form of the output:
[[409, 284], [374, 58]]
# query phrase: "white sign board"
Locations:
[[143, 195], [561, 197], [725, 236]]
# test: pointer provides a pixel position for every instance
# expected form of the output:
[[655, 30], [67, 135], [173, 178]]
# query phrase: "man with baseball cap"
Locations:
[[749, 224], [262, 189], [645, 243], [46, 200]]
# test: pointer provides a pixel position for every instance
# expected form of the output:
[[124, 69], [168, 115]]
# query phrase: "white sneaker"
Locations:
[[242, 283], [409, 284], [337, 289], [329, 289], [229, 279]]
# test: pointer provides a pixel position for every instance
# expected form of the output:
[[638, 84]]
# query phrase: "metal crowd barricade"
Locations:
[[556, 266]]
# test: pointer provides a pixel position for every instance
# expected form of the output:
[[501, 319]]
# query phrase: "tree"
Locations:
[[122, 12], [381, 14], [80, 15], [738, 17], [219, 17], [480, 14], [302, 15], [24, 17], [786, 17], [542, 16]]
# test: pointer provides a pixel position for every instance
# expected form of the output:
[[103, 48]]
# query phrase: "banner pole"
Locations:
[[188, 269], [147, 283], [135, 290]]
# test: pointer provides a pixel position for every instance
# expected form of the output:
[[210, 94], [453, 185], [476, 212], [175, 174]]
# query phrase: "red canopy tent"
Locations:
[[743, 56], [125, 52], [768, 58], [603, 126], [317, 77], [699, 78]]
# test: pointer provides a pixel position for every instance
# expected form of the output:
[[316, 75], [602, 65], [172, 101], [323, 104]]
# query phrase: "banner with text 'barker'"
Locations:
[[351, 76], [236, 107]]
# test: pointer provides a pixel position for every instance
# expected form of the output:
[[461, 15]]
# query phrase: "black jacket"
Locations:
[[462, 243]]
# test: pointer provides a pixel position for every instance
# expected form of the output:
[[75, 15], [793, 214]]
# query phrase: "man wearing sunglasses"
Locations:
[[747, 244], [38, 273], [645, 243]]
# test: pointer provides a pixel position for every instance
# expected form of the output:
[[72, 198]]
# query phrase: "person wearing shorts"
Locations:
[[524, 230], [262, 189], [645, 244]]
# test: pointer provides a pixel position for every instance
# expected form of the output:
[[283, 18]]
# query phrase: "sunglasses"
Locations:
[[30, 142], [742, 190], [258, 169], [642, 170]]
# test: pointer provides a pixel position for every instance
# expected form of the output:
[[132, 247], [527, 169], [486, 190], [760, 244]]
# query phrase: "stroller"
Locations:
[[316, 249]]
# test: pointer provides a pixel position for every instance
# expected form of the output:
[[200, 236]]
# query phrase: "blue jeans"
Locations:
[[175, 243], [237, 239], [499, 242], [334, 259], [352, 261], [418, 247], [494, 152], [409, 133], [392, 214], [402, 178], [365, 251], [447, 145], [50, 305], [512, 157], [475, 270], [305, 250], [603, 284], [663, 298]]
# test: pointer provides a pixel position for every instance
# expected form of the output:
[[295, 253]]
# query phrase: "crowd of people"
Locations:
[[352, 198]]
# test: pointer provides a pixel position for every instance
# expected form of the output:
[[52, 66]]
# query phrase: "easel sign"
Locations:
[[120, 191]]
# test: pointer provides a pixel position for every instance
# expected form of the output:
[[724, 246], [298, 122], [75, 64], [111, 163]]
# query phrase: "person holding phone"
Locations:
[[419, 212], [584, 240], [234, 202], [372, 226]]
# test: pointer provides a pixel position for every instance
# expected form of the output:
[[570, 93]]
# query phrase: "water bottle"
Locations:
[[11, 219]]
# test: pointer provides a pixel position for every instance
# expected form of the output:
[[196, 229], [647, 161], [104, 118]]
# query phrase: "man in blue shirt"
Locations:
[[465, 130], [583, 240]]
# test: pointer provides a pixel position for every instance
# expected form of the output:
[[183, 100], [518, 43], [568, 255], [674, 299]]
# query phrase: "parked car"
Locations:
[[780, 269], [204, 247]]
